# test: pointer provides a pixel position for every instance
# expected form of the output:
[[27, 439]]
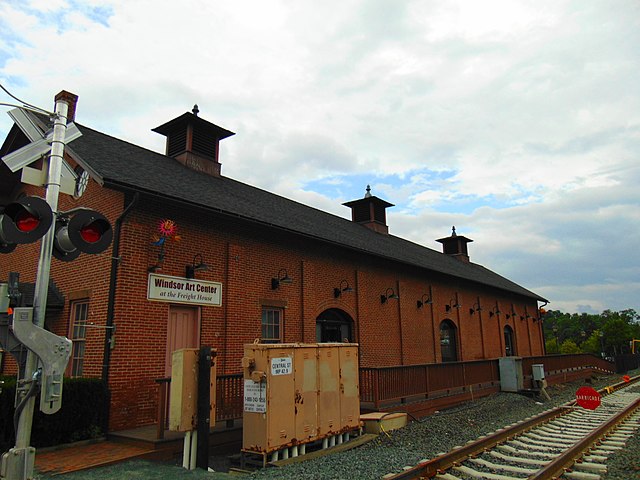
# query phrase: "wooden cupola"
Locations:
[[370, 211], [194, 142], [455, 245]]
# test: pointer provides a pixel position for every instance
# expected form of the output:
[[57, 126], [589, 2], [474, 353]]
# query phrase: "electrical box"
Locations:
[[298, 393], [511, 379], [4, 297], [537, 371], [183, 396]]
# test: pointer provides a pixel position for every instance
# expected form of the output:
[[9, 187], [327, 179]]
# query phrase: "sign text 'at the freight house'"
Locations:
[[164, 288]]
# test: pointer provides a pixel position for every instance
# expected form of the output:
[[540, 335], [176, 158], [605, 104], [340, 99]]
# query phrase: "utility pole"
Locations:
[[18, 463]]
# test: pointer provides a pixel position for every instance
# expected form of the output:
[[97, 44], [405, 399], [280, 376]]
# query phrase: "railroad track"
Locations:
[[564, 442]]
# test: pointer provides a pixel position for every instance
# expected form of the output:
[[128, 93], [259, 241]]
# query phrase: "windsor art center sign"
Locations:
[[164, 288]]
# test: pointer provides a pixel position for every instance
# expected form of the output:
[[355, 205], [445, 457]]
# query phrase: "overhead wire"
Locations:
[[24, 104]]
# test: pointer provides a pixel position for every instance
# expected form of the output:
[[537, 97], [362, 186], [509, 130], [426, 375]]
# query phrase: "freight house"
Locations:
[[198, 258]]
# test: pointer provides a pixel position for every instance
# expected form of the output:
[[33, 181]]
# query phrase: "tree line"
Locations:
[[608, 333]]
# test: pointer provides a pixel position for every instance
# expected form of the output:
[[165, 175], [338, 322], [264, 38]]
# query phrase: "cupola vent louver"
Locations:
[[194, 142], [370, 211]]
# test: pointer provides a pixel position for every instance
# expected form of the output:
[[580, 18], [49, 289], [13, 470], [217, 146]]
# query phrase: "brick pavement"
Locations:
[[80, 457]]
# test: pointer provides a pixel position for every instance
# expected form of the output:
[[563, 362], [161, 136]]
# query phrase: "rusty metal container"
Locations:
[[305, 393], [183, 402], [349, 388], [298, 393], [329, 390]]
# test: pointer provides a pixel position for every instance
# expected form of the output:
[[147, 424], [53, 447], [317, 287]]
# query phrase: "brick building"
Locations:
[[201, 259]]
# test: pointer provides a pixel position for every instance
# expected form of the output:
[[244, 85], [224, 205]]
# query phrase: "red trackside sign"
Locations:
[[588, 397]]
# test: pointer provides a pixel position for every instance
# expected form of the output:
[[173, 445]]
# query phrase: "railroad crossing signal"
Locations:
[[52, 350], [24, 221], [40, 146], [87, 231], [29, 218], [18, 463]]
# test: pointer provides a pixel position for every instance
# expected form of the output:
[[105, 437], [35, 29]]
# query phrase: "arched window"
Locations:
[[334, 325], [509, 341], [448, 341]]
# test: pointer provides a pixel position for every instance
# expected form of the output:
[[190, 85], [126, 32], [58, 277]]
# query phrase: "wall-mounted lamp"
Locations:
[[494, 311], [424, 300], [512, 314], [337, 292], [281, 279], [196, 265], [158, 265], [453, 303], [388, 296], [475, 308], [160, 242]]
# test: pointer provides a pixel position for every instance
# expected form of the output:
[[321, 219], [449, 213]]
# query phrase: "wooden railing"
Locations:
[[387, 386], [380, 385], [558, 363], [229, 396], [627, 361], [565, 368], [163, 405]]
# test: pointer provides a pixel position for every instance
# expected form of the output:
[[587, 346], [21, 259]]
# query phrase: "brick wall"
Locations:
[[244, 257]]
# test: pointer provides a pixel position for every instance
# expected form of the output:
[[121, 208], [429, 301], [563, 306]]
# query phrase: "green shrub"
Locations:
[[83, 414]]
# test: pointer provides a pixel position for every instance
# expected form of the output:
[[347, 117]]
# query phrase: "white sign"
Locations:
[[163, 288], [281, 366], [255, 396]]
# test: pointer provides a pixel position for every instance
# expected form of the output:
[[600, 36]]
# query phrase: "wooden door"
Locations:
[[183, 331]]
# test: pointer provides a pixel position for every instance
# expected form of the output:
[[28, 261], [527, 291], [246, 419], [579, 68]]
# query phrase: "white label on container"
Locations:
[[255, 396], [281, 366]]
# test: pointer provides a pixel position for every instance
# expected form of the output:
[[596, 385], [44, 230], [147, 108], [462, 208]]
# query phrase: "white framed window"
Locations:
[[78, 329], [271, 325]]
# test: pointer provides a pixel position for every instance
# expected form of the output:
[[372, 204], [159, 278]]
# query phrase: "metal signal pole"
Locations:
[[18, 463]]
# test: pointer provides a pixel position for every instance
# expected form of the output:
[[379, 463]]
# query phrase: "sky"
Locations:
[[517, 122]]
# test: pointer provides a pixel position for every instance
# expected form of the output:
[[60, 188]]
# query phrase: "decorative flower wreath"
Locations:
[[167, 227]]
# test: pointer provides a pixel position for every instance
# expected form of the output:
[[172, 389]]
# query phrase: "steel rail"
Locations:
[[439, 464], [447, 460], [566, 459]]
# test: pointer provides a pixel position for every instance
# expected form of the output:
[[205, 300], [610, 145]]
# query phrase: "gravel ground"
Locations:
[[441, 432], [419, 440], [625, 465]]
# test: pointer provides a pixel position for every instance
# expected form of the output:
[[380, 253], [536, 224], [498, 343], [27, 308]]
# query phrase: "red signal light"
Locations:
[[86, 231], [26, 222], [91, 233]]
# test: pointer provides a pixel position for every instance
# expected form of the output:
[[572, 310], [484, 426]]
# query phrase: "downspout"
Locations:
[[115, 261], [542, 340]]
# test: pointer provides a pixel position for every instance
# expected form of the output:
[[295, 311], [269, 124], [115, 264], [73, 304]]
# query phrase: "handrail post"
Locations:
[[464, 376], [376, 389], [426, 381], [163, 384]]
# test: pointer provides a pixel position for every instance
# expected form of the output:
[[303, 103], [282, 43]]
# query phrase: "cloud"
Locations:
[[516, 121]]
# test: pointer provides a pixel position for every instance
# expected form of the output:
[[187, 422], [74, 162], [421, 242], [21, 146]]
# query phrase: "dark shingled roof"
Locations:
[[123, 165]]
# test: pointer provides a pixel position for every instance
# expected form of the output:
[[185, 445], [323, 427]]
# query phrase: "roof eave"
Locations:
[[128, 187]]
